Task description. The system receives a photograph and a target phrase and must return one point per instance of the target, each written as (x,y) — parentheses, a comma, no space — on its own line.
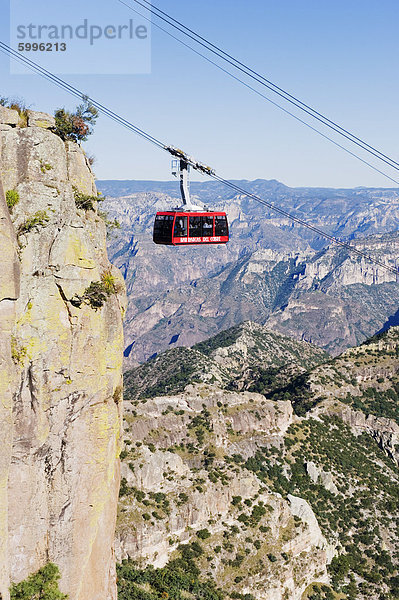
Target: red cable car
(178,228)
(190,224)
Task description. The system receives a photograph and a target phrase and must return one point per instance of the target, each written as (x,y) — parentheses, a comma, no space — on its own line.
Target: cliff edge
(61,366)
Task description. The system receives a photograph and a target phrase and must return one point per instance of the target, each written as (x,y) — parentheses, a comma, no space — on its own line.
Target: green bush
(42,585)
(98,293)
(45,166)
(39,219)
(203,534)
(110,224)
(76,126)
(109,282)
(85,201)
(12,199)
(183,498)
(125,489)
(321,592)
(95,295)
(272,558)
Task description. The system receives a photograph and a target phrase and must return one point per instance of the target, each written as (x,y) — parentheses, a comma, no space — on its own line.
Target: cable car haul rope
(184,159)
(241,67)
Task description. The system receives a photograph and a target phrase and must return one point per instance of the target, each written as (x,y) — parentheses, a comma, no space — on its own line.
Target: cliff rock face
(60,384)
(9,292)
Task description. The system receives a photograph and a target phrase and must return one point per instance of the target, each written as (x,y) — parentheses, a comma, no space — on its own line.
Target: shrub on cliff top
(42,585)
(76,126)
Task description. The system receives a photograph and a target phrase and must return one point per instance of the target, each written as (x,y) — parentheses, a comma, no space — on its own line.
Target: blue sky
(339,56)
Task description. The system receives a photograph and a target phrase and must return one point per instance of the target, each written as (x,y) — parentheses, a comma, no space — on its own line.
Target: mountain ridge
(231,358)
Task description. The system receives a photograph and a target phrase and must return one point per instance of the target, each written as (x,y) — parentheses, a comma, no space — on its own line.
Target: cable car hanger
(189,224)
(125,123)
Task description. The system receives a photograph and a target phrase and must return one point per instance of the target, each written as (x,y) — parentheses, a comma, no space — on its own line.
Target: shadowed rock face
(61,370)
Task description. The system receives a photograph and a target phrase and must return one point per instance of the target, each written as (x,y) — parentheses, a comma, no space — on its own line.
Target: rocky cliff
(60,360)
(235,358)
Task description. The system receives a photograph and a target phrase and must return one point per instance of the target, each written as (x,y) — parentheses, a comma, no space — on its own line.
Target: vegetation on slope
(362,515)
(350,482)
(179,579)
(250,354)
(365,378)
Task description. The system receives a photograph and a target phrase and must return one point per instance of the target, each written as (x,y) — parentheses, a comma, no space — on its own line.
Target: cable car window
(207,226)
(163,227)
(181,226)
(221,225)
(195,226)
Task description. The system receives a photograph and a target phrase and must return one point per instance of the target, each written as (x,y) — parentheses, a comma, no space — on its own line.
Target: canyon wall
(61,366)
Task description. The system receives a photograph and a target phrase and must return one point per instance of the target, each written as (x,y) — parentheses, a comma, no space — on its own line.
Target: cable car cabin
(176,228)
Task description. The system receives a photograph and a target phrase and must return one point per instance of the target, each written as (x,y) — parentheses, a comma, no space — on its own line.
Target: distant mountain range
(271,271)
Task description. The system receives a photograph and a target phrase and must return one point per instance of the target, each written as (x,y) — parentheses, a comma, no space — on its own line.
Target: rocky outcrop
(146,541)
(324,477)
(61,393)
(384,431)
